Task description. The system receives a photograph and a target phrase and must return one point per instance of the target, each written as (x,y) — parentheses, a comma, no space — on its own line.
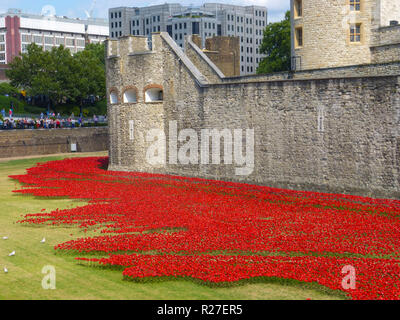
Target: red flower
(222,232)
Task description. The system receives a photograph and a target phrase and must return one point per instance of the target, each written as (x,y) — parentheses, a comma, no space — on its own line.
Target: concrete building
(327,33)
(208,20)
(18,30)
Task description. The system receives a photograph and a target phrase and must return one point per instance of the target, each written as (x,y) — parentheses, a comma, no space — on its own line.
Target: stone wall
(335,134)
(365,70)
(386,53)
(389,10)
(16,143)
(225,53)
(386,46)
(204,64)
(386,35)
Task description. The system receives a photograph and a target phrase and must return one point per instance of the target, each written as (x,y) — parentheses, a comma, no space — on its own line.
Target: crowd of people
(48,121)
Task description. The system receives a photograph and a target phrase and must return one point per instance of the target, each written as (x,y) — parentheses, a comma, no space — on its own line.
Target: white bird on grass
(5,238)
(43,241)
(5,270)
(12,254)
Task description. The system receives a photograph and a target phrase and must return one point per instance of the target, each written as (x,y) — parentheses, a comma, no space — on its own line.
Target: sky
(77,8)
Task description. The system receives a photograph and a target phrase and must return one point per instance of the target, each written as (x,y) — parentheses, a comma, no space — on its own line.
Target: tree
(6,88)
(58,75)
(43,72)
(24,69)
(88,74)
(98,49)
(276,45)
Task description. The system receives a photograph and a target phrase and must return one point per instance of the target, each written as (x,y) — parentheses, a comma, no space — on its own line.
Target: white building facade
(18,30)
(208,20)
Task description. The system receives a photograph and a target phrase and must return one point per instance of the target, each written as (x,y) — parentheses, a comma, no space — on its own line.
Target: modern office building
(18,30)
(208,20)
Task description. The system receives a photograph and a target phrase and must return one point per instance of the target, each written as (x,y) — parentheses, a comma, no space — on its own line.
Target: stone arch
(153,93)
(130,95)
(114,96)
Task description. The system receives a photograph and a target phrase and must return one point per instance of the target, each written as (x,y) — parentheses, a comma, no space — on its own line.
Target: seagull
(43,241)
(5,270)
(12,254)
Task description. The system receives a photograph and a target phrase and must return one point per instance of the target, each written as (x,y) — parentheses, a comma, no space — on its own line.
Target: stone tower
(335,33)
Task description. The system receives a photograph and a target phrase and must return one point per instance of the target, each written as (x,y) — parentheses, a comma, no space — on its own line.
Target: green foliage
(88,76)
(59,75)
(34,109)
(75,110)
(276,45)
(6,88)
(7,102)
(98,49)
(85,112)
(100,108)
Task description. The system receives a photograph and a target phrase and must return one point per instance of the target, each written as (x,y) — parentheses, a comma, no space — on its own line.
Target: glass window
(38,39)
(298,8)
(355,5)
(355,33)
(25,38)
(299,37)
(48,40)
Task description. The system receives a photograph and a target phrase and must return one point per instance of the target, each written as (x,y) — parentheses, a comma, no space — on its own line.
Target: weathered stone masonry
(338,134)
(14,143)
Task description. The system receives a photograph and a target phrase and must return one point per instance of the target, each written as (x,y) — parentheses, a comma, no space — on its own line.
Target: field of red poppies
(156,226)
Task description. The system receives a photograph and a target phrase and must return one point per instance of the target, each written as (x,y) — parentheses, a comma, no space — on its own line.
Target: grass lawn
(77,282)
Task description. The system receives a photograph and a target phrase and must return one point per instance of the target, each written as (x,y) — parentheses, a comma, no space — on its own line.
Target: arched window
(113,97)
(130,96)
(154,94)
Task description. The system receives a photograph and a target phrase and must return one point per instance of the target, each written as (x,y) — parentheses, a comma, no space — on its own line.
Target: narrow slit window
(299,37)
(298,8)
(321,119)
(131,130)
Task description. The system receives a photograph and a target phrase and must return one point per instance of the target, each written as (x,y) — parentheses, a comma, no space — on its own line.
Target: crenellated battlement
(127,45)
